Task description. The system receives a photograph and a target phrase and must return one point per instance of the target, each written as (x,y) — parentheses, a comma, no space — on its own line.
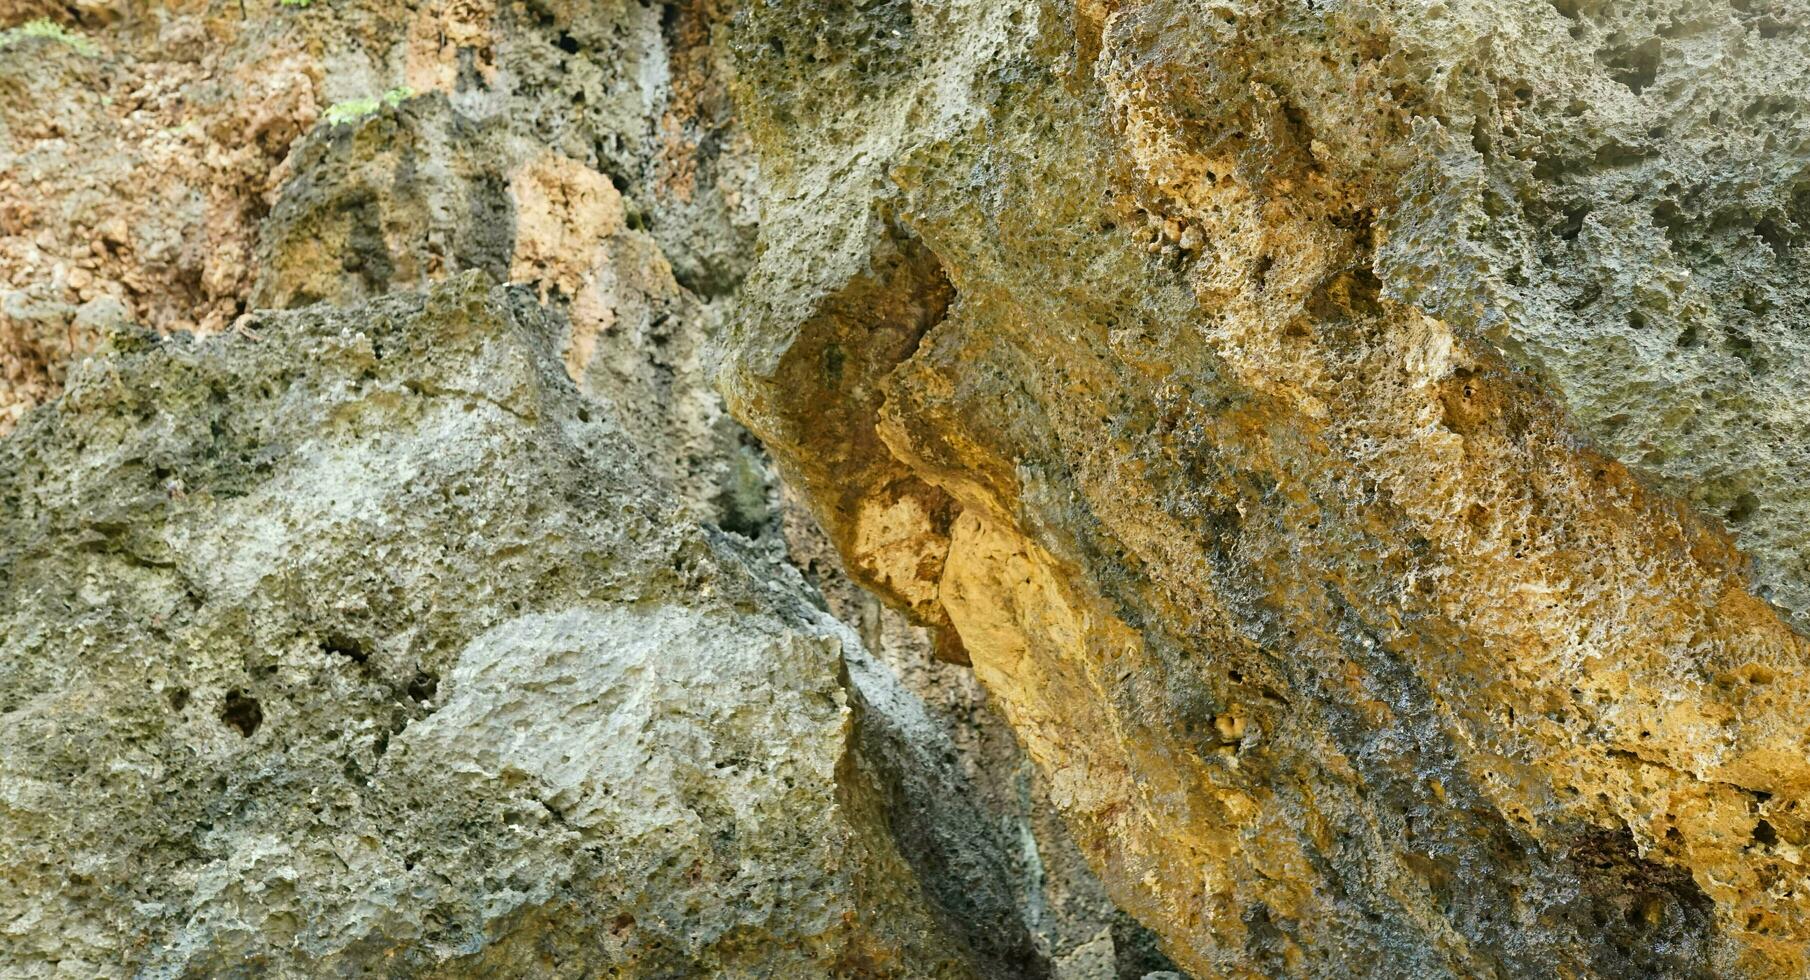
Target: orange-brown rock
(1220,373)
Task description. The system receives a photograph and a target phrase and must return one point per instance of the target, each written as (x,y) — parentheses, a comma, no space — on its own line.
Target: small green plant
(296,3)
(50,30)
(352,110)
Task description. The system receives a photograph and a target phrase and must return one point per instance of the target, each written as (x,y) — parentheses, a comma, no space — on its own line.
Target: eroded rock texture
(367,646)
(1353,443)
(179,166)
(1074,925)
(183,163)
(1356,443)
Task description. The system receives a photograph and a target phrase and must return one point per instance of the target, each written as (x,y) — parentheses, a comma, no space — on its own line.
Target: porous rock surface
(1073,923)
(1353,445)
(1357,443)
(182,166)
(360,644)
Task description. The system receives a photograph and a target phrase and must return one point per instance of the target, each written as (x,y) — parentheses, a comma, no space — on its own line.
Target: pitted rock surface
(360,641)
(1320,425)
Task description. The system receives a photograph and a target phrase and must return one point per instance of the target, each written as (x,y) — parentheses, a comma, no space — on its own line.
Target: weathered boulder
(358,642)
(1316,423)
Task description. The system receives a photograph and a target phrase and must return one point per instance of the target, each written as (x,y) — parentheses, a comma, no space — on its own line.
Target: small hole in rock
(243,713)
(1261,273)
(178,696)
(1774,236)
(341,645)
(424,686)
(1573,223)
(1636,67)
(1764,835)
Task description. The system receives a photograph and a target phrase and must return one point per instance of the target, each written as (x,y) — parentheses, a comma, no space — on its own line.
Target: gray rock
(357,643)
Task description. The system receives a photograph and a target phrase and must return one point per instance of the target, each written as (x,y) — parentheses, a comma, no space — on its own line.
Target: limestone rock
(1072,921)
(357,642)
(1316,424)
(545,170)
(186,160)
(132,171)
(191,169)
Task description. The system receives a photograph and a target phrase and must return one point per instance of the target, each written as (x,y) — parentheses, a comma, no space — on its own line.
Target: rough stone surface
(1340,455)
(406,197)
(188,169)
(135,174)
(366,645)
(1073,923)
(187,166)
(585,149)
(1317,424)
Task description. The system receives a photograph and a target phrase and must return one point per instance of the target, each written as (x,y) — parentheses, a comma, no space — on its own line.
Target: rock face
(1342,457)
(134,166)
(174,166)
(360,219)
(1322,427)
(1075,926)
(366,645)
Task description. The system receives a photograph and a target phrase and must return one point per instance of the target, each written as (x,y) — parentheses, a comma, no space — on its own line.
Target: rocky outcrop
(188,162)
(177,166)
(134,166)
(360,641)
(1340,456)
(361,219)
(1322,427)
